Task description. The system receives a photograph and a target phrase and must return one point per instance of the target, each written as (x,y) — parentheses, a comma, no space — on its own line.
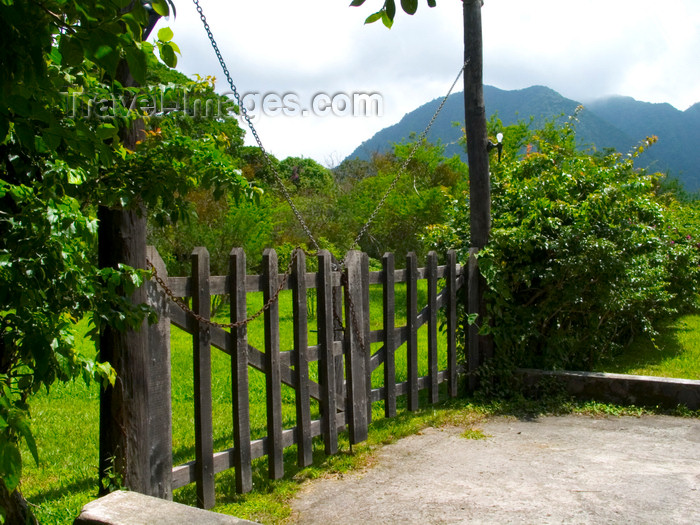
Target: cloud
(584,50)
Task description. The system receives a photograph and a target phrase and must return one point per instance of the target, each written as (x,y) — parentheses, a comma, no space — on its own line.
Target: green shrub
(583,253)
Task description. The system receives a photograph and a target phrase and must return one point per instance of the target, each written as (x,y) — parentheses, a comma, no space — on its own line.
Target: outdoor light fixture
(499,145)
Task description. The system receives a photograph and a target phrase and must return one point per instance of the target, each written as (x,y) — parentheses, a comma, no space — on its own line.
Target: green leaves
(165,34)
(409,6)
(166,48)
(388,12)
(161,7)
(580,257)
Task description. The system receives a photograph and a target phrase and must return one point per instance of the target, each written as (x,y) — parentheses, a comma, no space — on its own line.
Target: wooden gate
(343,353)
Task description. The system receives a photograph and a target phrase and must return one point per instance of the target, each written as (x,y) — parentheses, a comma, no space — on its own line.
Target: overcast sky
(584,49)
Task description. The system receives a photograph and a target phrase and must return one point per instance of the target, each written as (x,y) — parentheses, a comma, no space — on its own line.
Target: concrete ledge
(621,388)
(132,508)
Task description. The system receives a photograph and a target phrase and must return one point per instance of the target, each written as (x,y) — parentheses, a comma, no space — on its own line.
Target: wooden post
(451,312)
(159,386)
(301,364)
(431,264)
(124,440)
(273,376)
(479,183)
(124,418)
(239,373)
(365,328)
(327,362)
(203,424)
(412,328)
(357,372)
(389,306)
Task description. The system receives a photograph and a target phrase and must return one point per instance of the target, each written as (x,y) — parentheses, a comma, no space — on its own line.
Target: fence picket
(301,365)
(451,311)
(239,373)
(433,393)
(365,329)
(327,368)
(159,386)
(357,373)
(204,431)
(412,329)
(389,310)
(275,447)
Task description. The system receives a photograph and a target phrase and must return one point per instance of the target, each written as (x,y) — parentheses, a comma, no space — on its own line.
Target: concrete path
(569,469)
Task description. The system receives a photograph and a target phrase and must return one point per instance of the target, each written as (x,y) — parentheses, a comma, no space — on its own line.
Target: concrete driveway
(568,469)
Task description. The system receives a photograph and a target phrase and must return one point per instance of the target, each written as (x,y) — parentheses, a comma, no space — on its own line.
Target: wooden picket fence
(343,351)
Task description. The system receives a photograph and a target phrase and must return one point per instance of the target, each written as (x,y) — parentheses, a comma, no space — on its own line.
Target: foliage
(62,119)
(418,201)
(388,11)
(584,253)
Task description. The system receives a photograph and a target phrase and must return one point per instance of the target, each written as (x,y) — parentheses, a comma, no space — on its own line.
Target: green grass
(67,422)
(66,419)
(674,352)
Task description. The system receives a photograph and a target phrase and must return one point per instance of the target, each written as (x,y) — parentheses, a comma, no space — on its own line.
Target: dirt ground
(569,469)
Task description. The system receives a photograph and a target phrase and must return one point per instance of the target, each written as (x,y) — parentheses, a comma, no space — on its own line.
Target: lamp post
(498,145)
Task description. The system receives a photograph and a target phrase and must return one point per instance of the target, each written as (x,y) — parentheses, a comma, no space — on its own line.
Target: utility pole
(479,347)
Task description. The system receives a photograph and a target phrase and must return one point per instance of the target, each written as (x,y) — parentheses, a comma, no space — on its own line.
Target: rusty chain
(283,282)
(287,196)
(237,324)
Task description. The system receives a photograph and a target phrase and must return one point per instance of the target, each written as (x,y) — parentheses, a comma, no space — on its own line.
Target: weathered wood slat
(182,286)
(272,364)
(224,460)
(365,327)
(389,332)
(159,385)
(204,431)
(403,388)
(431,271)
(412,329)
(357,372)
(451,314)
(326,356)
(301,365)
(242,460)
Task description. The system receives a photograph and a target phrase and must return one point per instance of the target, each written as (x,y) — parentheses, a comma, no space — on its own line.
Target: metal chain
(183,306)
(288,198)
(408,159)
(244,114)
(266,156)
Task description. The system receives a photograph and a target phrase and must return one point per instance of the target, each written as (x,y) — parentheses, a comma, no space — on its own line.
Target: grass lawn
(675,352)
(66,420)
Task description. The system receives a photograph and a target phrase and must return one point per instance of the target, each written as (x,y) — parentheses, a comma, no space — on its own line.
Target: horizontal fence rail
(343,354)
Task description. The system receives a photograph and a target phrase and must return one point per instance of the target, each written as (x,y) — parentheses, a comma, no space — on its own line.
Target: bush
(583,253)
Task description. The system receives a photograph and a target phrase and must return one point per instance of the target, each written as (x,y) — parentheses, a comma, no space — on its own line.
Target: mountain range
(613,122)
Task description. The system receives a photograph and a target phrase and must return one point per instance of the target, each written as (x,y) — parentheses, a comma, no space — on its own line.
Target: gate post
(357,371)
(159,385)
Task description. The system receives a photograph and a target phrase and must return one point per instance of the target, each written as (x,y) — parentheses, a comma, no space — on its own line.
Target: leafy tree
(61,156)
(420,197)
